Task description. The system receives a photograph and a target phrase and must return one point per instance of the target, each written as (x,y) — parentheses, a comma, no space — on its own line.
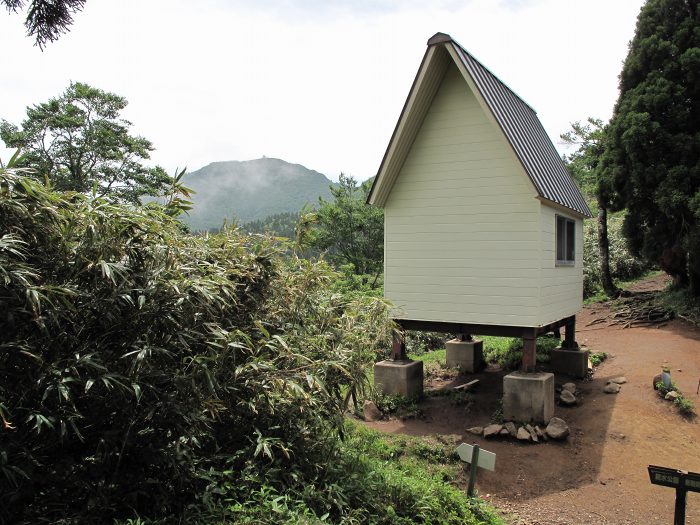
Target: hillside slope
(251,190)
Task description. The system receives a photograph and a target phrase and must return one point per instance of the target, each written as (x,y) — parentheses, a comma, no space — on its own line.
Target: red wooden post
(398,347)
(529,352)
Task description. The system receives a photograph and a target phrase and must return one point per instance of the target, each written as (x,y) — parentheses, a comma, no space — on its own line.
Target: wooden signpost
(476,457)
(680,480)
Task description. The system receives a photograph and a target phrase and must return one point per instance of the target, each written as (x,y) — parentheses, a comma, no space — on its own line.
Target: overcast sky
(320,82)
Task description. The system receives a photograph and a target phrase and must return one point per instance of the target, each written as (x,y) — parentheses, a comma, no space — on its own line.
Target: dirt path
(599,475)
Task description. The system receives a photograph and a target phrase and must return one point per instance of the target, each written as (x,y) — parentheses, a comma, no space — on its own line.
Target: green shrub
(507,352)
(398,405)
(145,371)
(685,405)
(419,343)
(623,266)
(597,358)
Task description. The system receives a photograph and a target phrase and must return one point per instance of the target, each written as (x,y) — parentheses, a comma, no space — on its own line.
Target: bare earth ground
(599,474)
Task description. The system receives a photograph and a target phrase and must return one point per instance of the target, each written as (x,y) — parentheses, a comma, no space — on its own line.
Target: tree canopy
(350,229)
(46,20)
(652,153)
(79,141)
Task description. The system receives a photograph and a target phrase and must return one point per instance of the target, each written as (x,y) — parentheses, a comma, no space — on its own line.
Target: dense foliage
(623,265)
(278,224)
(46,20)
(351,230)
(584,165)
(79,141)
(144,370)
(653,142)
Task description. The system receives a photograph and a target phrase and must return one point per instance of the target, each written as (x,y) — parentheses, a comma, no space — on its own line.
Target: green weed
(597,358)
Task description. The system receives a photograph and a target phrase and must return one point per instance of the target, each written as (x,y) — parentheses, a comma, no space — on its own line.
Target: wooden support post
(570,333)
(472,472)
(529,352)
(398,347)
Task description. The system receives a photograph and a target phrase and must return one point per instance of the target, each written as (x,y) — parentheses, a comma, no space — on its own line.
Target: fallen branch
(641,309)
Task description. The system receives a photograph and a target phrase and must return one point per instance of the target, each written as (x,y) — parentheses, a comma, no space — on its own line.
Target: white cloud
(317,83)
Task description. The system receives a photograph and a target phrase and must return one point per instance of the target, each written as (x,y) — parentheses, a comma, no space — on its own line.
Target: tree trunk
(674,261)
(604,250)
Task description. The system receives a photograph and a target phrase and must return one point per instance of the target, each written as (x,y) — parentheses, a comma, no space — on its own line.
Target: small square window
(566,241)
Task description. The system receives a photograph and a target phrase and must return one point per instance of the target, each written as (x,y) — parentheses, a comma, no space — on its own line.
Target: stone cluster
(567,396)
(555,429)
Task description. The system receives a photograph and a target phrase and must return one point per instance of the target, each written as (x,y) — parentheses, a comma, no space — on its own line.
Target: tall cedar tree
(584,165)
(350,229)
(81,144)
(652,153)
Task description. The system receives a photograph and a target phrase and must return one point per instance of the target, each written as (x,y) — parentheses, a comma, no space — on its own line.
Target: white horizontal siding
(462,240)
(562,286)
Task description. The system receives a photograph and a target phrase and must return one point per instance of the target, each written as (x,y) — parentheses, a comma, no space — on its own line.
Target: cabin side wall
(562,285)
(462,222)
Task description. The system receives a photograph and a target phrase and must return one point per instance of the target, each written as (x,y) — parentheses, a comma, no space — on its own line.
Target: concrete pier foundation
(570,362)
(468,356)
(403,378)
(528,397)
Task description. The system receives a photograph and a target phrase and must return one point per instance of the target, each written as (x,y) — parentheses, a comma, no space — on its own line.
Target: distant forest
(277,224)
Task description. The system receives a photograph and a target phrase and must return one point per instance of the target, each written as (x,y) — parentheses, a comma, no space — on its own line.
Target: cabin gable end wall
(462,222)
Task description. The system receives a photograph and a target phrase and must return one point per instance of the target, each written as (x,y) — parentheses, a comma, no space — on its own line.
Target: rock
(671,396)
(529,428)
(477,431)
(492,430)
(557,428)
(510,426)
(567,398)
(619,380)
(657,379)
(569,387)
(523,434)
(611,388)
(370,411)
(504,432)
(539,431)
(533,435)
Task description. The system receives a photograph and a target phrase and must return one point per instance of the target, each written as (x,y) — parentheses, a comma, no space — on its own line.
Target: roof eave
(567,209)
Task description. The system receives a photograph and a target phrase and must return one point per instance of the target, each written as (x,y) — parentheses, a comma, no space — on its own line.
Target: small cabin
(483,222)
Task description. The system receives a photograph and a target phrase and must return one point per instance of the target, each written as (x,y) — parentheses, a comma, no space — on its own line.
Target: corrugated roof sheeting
(526,135)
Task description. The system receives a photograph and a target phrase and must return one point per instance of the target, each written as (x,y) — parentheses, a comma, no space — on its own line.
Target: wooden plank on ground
(467,386)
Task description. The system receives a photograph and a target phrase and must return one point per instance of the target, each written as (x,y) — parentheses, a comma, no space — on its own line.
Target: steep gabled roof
(517,120)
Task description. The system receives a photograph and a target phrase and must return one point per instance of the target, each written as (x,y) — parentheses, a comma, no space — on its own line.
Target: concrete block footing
(528,397)
(403,378)
(468,356)
(570,362)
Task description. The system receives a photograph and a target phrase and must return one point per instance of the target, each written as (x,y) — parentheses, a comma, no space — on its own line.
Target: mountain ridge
(249,190)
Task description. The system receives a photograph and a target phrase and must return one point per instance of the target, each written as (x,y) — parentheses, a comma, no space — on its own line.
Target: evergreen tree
(350,229)
(46,20)
(652,153)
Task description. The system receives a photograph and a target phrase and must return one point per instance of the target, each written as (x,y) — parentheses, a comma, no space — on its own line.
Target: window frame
(569,247)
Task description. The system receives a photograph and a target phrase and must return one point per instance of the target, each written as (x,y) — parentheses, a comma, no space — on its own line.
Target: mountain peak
(251,190)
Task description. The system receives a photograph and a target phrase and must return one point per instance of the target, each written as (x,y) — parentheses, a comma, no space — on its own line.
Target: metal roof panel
(527,136)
